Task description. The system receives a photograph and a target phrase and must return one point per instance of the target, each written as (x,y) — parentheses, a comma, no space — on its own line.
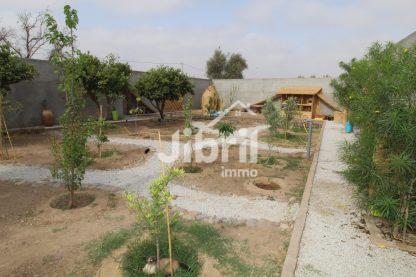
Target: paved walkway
(331,245)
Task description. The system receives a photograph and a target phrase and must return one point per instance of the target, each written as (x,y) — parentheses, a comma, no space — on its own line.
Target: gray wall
(29,95)
(250,91)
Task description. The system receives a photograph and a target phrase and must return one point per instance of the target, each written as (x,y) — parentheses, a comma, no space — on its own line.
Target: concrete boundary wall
(254,90)
(29,96)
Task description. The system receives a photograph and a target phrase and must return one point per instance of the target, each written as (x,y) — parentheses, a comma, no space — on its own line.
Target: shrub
(379,92)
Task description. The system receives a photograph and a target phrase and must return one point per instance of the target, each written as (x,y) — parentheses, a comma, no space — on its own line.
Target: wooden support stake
(8,135)
(167,214)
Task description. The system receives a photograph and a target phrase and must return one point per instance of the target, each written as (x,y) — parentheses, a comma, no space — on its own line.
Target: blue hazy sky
(278,38)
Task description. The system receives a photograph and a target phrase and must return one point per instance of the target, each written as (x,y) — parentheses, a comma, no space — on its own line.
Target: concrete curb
(291,259)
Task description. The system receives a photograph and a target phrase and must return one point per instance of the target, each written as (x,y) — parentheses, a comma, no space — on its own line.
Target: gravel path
(331,245)
(138,178)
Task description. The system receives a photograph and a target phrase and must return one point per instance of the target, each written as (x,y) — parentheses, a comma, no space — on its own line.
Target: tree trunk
(71,199)
(157,254)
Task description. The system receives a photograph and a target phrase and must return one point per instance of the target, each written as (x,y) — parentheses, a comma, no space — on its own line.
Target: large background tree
(221,66)
(379,92)
(29,37)
(13,69)
(161,84)
(114,81)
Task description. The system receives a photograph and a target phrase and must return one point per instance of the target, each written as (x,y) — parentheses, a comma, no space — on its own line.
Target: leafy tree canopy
(13,69)
(221,66)
(89,74)
(114,81)
(162,84)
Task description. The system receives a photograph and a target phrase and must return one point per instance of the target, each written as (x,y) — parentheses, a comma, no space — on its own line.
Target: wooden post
(2,152)
(167,214)
(8,135)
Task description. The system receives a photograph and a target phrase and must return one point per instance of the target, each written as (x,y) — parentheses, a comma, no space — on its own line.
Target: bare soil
(35,149)
(37,240)
(215,179)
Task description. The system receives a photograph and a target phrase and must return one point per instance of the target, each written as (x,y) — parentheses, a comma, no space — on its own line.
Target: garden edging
(292,254)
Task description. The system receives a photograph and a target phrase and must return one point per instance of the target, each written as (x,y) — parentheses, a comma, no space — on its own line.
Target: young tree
(114,83)
(29,37)
(13,69)
(379,93)
(273,114)
(71,153)
(290,110)
(161,84)
(221,66)
(152,211)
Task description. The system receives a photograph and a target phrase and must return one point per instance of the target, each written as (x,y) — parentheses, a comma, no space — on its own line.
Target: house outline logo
(224,113)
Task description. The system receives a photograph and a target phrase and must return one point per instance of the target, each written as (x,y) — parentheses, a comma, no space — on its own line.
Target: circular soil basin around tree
(81,199)
(266,186)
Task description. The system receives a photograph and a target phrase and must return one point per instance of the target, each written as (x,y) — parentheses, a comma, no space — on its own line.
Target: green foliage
(187,113)
(219,66)
(71,155)
(136,257)
(230,258)
(272,112)
(161,84)
(89,75)
(379,90)
(100,248)
(290,110)
(13,69)
(114,83)
(99,127)
(151,211)
(235,66)
(225,129)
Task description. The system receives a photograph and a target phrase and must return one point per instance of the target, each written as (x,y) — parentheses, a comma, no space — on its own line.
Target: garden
(94,197)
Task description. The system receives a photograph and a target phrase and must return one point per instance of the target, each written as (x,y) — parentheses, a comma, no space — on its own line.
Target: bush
(379,91)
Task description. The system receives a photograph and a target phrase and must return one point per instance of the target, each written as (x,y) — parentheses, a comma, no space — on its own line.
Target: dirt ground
(36,240)
(215,179)
(35,149)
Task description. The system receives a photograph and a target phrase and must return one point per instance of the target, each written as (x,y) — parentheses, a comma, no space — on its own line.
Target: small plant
(187,112)
(225,129)
(99,128)
(272,112)
(152,212)
(290,110)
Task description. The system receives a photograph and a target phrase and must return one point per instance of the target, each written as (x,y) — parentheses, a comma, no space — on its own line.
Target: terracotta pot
(47,118)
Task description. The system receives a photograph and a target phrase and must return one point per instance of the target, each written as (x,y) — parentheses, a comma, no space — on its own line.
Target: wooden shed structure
(309,100)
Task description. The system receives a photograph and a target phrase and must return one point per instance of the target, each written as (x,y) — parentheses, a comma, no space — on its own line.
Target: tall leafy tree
(235,66)
(13,69)
(161,84)
(216,65)
(114,83)
(222,66)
